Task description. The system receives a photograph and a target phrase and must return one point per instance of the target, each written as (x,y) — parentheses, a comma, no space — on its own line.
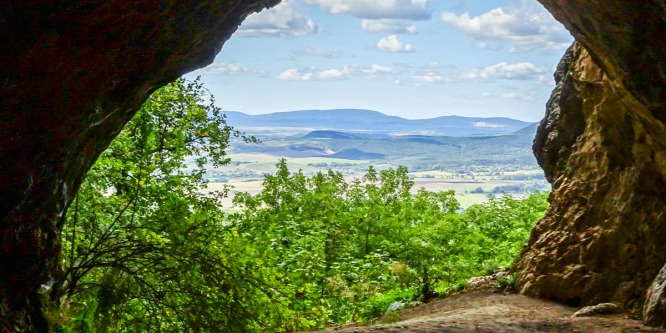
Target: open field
(475,167)
(246,171)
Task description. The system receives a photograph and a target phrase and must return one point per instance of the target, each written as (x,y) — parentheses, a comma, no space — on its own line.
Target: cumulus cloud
(231,69)
(523,95)
(503,70)
(331,74)
(292,74)
(432,73)
(375,71)
(313,75)
(527,28)
(392,44)
(388,27)
(377,9)
(346,72)
(318,52)
(428,77)
(481,45)
(287,19)
(500,71)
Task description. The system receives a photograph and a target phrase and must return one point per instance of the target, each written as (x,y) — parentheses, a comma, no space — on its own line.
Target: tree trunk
(427,295)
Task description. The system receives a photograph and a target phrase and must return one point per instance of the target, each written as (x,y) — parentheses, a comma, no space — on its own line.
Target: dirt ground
(487,310)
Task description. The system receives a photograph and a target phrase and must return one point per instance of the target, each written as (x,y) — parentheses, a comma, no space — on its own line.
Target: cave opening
(606,219)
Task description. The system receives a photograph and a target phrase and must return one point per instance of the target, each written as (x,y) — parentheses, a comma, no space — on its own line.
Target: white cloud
(392,44)
(314,75)
(231,69)
(527,28)
(319,52)
(284,20)
(388,27)
(487,124)
(377,9)
(523,95)
(290,75)
(346,72)
(331,74)
(377,70)
(428,77)
(500,71)
(481,45)
(503,70)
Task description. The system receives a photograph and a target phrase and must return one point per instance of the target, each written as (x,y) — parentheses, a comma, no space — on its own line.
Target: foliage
(507,283)
(344,249)
(144,249)
(377,305)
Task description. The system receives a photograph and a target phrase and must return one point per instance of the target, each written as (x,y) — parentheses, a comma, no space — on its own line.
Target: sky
(410,58)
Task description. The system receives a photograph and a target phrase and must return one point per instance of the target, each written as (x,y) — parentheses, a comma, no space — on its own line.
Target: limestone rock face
(655,303)
(626,40)
(599,309)
(603,148)
(604,151)
(72,73)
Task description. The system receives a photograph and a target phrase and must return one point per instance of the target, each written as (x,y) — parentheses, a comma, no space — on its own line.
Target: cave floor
(487,310)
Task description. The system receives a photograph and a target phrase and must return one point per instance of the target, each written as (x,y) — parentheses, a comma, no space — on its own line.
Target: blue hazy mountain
(323,134)
(355,120)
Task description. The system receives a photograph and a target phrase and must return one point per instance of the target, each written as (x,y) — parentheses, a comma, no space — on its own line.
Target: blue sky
(409,58)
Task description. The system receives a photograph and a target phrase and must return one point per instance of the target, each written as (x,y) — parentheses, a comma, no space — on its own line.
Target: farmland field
(246,172)
(476,166)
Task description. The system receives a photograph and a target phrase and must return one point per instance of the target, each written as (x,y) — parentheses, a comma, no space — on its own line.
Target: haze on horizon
(416,59)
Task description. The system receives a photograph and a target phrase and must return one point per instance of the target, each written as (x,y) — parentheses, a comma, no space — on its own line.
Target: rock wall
(655,303)
(605,154)
(71,75)
(602,145)
(626,40)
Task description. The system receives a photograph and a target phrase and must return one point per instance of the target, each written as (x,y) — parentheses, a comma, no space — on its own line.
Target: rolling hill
(360,121)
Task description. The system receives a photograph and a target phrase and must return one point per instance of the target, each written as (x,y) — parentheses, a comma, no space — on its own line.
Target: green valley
(496,160)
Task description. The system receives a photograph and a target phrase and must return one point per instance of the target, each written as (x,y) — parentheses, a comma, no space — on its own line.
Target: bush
(378,305)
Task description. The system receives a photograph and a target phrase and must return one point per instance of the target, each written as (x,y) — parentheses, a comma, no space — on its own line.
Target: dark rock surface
(626,40)
(602,239)
(71,75)
(599,309)
(655,303)
(603,147)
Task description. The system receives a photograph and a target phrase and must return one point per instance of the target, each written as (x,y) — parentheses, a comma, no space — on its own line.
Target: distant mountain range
(359,121)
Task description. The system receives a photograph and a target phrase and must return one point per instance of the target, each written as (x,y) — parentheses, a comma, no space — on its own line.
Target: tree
(146,250)
(143,248)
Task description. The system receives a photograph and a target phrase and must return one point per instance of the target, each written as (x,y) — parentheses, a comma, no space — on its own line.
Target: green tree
(143,248)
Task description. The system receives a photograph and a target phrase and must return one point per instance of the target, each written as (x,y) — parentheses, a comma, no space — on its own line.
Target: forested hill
(367,120)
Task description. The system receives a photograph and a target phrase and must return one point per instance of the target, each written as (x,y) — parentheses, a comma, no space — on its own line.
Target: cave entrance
(55,127)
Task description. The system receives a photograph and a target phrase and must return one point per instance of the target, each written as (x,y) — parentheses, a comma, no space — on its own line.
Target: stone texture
(655,303)
(71,75)
(625,39)
(604,152)
(599,309)
(603,148)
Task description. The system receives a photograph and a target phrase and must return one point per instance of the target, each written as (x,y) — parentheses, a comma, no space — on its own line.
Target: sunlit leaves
(145,250)
(334,243)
